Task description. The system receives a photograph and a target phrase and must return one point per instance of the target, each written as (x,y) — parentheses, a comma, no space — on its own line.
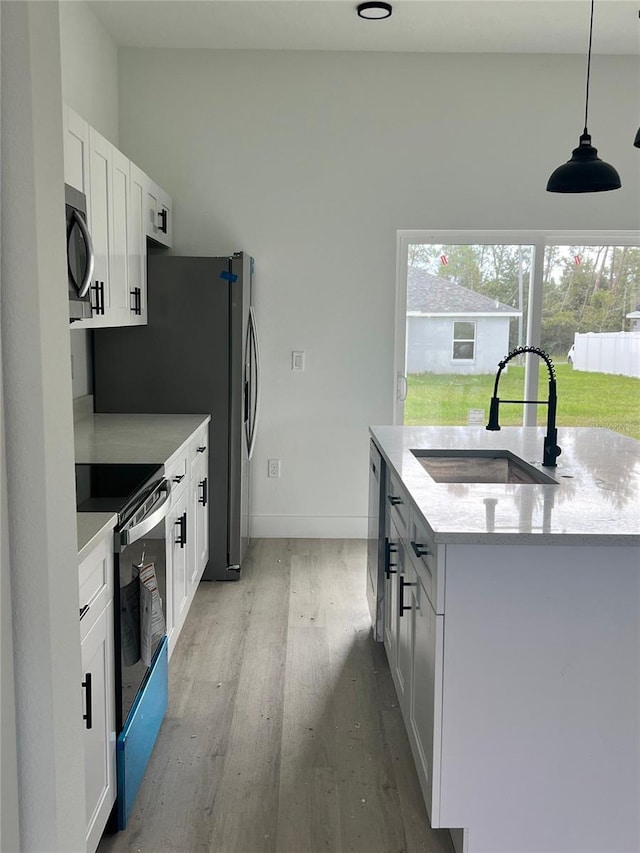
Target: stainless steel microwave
(80,256)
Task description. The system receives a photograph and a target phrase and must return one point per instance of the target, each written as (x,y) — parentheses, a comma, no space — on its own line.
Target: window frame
(455,340)
(539,240)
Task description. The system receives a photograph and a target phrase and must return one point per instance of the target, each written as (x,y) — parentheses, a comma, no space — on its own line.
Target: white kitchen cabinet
(404,666)
(158,218)
(395,559)
(199,517)
(137,247)
(76,150)
(178,549)
(97,683)
(425,705)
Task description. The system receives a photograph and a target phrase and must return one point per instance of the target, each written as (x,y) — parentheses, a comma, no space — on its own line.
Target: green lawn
(584,399)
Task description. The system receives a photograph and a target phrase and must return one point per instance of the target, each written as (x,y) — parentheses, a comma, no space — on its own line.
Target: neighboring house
(634,319)
(451,329)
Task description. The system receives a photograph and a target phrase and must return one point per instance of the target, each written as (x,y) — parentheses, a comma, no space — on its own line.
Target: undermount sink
(479,466)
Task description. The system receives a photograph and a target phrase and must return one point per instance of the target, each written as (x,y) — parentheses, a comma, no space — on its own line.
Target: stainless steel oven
(140,495)
(80,255)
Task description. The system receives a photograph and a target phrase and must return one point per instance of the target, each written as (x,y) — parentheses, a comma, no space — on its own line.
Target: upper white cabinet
(158,214)
(76,151)
(124,208)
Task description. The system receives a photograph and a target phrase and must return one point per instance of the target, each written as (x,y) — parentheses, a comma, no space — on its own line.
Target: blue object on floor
(135,742)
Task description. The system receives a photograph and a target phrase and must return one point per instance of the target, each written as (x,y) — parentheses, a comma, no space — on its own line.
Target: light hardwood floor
(283,733)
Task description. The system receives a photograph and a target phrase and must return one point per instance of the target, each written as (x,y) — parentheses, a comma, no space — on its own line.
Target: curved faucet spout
(551,449)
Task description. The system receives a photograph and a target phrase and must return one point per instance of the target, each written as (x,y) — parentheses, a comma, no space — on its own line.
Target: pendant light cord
(586,101)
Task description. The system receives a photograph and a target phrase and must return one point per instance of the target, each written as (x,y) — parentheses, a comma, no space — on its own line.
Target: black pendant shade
(585,172)
(636,141)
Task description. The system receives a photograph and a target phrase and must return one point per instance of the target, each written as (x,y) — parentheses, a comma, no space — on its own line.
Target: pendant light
(585,172)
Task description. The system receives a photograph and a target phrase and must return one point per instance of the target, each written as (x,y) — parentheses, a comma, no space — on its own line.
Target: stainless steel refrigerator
(197,354)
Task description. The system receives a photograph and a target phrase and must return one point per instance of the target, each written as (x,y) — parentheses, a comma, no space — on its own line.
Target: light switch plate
(297,360)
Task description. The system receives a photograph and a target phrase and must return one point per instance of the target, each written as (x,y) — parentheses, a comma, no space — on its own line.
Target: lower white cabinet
(178,547)
(424,722)
(97,684)
(199,515)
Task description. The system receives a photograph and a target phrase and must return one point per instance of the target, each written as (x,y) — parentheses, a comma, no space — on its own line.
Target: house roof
(430,294)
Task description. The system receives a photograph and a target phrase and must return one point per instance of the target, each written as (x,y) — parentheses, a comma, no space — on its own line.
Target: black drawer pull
(401,605)
(162,216)
(390,548)
(419,549)
(200,449)
(178,478)
(181,522)
(83,611)
(137,300)
(88,717)
(204,486)
(393,500)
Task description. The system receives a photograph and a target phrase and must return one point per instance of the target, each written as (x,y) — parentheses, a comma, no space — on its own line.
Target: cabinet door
(406,583)
(76,151)
(395,567)
(100,223)
(427,631)
(117,312)
(99,720)
(158,225)
(178,546)
(200,521)
(137,247)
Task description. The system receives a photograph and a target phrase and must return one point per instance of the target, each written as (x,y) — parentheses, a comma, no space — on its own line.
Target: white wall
(39,437)
(311,161)
(89,59)
(89,68)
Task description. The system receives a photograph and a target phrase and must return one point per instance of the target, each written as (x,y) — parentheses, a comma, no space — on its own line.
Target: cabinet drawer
(95,579)
(397,503)
(175,470)
(199,444)
(427,559)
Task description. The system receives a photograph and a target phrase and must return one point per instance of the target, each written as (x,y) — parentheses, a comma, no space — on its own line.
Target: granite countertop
(596,501)
(132,437)
(92,527)
(125,438)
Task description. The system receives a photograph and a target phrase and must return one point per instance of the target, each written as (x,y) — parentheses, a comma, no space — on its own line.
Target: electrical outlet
(274,468)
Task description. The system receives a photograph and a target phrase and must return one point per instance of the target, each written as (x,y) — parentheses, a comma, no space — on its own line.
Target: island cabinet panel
(395,561)
(427,557)
(425,707)
(541,697)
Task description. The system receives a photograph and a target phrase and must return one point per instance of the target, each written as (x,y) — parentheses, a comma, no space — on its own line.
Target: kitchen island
(512,627)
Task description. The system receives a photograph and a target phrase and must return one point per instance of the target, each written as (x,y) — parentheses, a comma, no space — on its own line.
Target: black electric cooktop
(111,487)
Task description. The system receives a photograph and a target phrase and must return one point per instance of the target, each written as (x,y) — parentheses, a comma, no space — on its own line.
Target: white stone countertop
(92,527)
(596,501)
(133,437)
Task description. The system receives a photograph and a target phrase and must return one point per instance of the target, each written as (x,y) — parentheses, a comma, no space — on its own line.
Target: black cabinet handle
(137,300)
(88,717)
(401,605)
(181,540)
(419,549)
(393,500)
(390,548)
(162,216)
(204,486)
(83,611)
(98,287)
(178,478)
(200,449)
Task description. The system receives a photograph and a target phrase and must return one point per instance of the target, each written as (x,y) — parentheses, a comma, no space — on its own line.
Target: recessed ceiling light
(375,10)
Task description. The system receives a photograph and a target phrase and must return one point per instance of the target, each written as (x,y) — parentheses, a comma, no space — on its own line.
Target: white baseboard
(308,527)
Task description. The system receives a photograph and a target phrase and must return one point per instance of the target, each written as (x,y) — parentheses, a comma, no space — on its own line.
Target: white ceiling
(441,26)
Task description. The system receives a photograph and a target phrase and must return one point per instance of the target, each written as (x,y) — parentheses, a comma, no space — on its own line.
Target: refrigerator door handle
(253,338)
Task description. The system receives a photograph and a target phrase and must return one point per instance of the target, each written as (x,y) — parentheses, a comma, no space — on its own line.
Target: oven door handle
(160,511)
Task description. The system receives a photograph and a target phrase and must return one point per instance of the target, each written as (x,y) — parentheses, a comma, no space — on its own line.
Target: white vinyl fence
(608,352)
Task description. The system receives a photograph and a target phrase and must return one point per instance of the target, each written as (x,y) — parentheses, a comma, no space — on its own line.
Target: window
(466,299)
(464,341)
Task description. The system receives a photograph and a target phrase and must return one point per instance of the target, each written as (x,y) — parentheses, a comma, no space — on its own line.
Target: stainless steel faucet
(551,449)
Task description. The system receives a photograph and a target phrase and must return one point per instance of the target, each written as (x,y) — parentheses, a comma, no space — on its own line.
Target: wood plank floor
(283,733)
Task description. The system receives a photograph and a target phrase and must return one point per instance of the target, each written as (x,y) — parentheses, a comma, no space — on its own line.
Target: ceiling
(440,26)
